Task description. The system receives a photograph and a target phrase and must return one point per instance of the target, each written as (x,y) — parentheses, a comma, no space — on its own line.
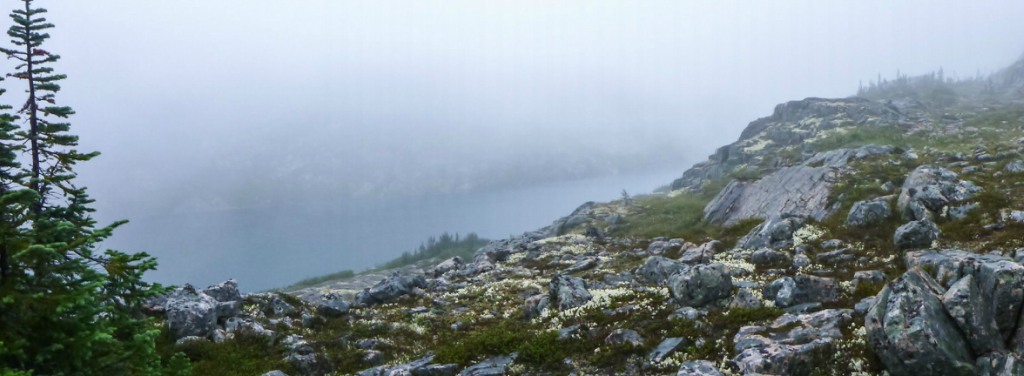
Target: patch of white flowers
(567,238)
(672,362)
(601,298)
(515,258)
(806,234)
(735,261)
(575,249)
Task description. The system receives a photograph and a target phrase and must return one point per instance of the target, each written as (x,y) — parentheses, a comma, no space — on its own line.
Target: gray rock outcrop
(789,126)
(657,269)
(869,212)
(802,289)
(446,266)
(973,315)
(916,234)
(390,289)
(226,291)
(698,368)
(332,305)
(419,367)
(703,254)
(568,292)
(928,191)
(776,232)
(911,332)
(496,366)
(801,190)
(999,279)
(624,337)
(700,285)
(789,344)
(190,313)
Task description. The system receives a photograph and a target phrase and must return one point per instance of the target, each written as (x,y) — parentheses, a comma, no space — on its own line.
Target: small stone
(699,368)
(916,234)
(624,337)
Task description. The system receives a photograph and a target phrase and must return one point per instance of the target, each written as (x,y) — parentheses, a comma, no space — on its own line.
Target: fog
(257,107)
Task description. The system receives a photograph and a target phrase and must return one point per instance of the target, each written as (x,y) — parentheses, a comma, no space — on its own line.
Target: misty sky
(228,103)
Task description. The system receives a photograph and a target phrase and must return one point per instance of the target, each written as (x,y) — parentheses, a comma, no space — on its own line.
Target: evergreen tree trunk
(33,120)
(5,267)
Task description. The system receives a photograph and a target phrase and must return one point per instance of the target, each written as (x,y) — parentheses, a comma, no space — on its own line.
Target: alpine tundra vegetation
(880,233)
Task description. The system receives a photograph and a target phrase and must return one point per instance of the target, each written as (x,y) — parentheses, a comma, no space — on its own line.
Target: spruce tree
(50,144)
(64,308)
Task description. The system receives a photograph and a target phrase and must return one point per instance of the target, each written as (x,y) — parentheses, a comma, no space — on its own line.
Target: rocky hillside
(882,233)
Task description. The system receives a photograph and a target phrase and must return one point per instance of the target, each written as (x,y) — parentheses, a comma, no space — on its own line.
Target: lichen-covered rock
(1001,364)
(973,313)
(657,269)
(916,234)
(664,349)
(776,232)
(499,250)
(839,256)
(476,268)
(658,247)
(790,344)
(868,276)
(226,291)
(391,288)
(869,212)
(910,331)
(698,368)
(419,367)
(624,337)
(960,212)
(999,279)
(332,305)
(536,304)
(802,289)
(801,190)
(496,366)
(746,297)
(446,266)
(700,285)
(782,291)
(703,254)
(248,326)
(569,292)
(790,125)
(767,257)
(1015,166)
(584,263)
(190,313)
(928,190)
(301,355)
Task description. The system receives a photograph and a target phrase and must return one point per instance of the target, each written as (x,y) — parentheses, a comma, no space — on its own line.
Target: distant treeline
(442,247)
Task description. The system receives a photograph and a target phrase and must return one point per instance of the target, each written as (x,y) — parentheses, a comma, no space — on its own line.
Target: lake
(272,247)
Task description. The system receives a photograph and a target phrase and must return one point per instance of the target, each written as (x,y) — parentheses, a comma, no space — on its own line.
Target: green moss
(665,216)
(246,355)
(546,351)
(537,349)
(681,216)
(860,136)
(500,338)
(720,327)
